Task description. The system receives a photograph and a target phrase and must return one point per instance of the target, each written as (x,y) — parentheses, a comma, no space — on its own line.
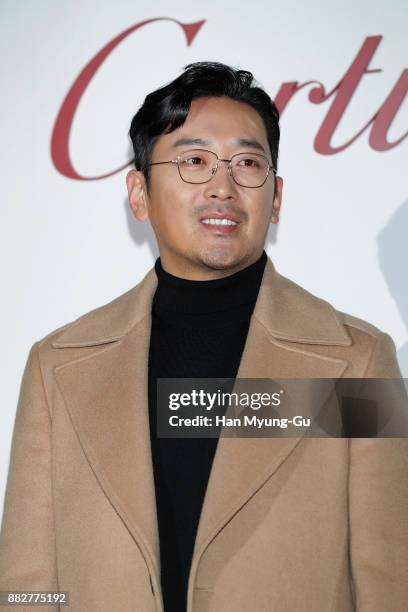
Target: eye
(249,162)
(193,160)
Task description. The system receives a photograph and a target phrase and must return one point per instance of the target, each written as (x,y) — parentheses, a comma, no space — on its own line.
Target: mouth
(220,224)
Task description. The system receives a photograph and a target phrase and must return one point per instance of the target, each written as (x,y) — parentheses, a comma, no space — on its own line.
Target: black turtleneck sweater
(198,330)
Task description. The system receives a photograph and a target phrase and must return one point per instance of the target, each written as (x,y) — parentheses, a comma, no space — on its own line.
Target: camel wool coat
(287,525)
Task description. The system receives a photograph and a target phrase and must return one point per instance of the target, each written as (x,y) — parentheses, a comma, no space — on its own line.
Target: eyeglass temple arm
(174,161)
(171,161)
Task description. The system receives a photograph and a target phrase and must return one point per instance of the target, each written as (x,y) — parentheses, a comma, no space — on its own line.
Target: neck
(175,294)
(184,270)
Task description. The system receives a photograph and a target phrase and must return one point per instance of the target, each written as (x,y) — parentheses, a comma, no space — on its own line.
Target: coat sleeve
(27,537)
(378,506)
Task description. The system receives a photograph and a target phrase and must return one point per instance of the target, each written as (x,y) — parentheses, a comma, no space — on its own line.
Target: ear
(277,200)
(137,192)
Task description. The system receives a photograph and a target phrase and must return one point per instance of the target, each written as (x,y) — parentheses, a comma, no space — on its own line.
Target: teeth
(218,222)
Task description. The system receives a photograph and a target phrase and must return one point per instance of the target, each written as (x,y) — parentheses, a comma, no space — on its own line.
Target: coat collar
(286,310)
(105,393)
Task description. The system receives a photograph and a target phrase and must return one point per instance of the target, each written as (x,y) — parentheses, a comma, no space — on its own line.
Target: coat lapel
(106,396)
(258,458)
(284,313)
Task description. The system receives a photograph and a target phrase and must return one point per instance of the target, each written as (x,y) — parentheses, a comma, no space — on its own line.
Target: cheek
(171,209)
(259,213)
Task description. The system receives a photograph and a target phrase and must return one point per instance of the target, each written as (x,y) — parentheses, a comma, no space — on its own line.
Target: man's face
(188,247)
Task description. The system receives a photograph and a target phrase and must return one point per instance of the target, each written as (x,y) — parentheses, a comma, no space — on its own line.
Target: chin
(221,259)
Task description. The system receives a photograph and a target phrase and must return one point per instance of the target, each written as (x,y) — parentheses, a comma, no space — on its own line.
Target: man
(99,505)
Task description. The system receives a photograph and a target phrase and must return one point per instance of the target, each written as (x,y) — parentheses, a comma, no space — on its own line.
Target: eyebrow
(244,142)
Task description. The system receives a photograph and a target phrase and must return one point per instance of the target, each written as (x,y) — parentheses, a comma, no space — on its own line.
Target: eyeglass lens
(248,169)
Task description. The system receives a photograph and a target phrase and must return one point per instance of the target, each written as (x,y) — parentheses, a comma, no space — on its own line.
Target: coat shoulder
(86,318)
(364,335)
(105,323)
(355,325)
(372,348)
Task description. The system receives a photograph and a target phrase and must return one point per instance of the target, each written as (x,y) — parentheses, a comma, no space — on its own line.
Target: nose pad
(214,170)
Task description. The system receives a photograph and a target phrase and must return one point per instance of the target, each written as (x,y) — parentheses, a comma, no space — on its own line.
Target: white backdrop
(71,245)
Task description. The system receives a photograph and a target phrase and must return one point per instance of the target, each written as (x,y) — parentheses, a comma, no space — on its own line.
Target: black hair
(167,108)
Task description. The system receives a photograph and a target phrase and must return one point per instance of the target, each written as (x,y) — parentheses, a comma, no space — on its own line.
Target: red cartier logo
(341,93)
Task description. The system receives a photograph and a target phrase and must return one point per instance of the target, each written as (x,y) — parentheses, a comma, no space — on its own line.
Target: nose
(221,185)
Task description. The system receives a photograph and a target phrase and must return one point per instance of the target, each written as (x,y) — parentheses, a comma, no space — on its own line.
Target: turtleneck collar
(183,296)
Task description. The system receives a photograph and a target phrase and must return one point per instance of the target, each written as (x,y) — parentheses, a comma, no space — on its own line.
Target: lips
(219,225)
(220,216)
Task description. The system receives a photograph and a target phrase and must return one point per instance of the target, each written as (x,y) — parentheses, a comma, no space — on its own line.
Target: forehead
(221,122)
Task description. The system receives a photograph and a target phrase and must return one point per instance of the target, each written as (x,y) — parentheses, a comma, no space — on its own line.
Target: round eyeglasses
(200,165)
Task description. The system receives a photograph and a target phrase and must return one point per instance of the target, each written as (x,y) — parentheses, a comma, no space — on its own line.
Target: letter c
(63,123)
